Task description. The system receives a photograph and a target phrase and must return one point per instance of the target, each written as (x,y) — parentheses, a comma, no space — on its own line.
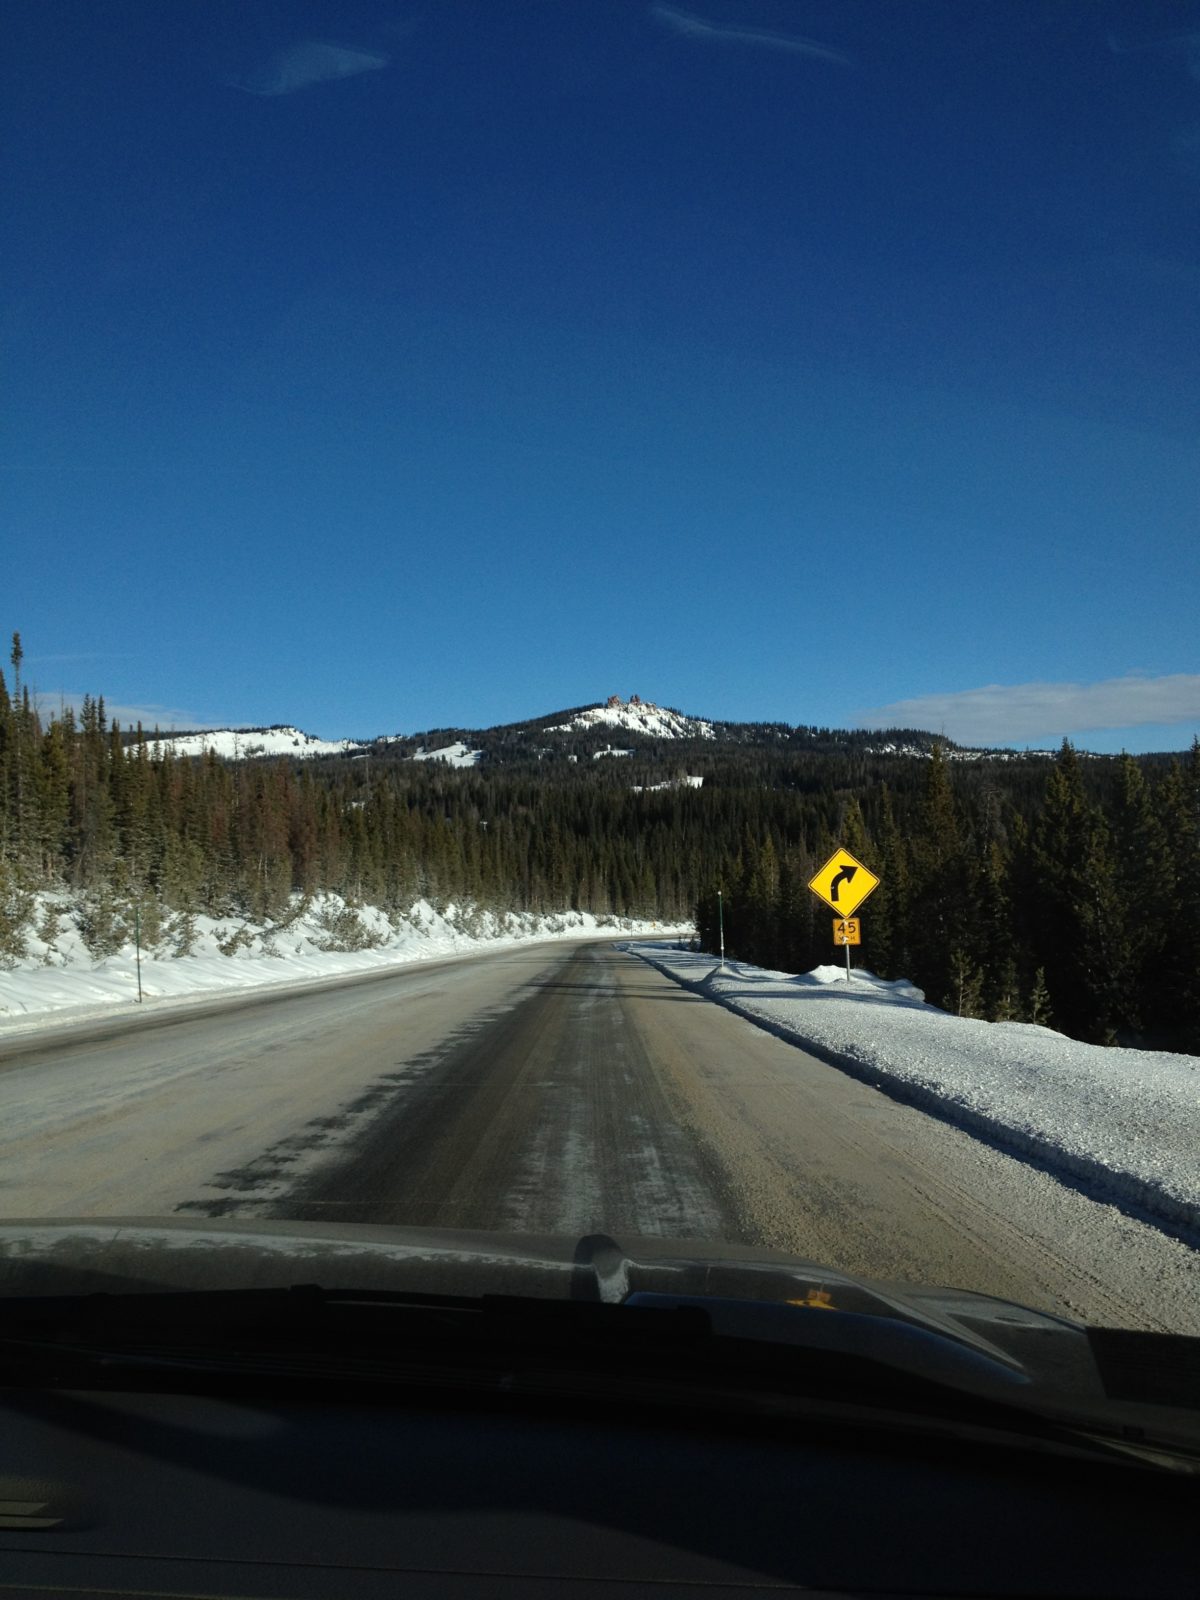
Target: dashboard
(163,1494)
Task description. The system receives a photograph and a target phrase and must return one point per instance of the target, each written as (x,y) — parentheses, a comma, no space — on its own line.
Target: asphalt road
(552,1089)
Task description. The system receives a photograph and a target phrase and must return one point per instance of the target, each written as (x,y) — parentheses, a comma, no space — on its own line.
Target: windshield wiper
(344,1328)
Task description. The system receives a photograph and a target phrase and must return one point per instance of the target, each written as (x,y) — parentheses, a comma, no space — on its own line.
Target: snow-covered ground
(242,744)
(58,979)
(456,755)
(1126,1122)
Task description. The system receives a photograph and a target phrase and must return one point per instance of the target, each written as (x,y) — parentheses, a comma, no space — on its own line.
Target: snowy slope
(638,716)
(1127,1122)
(670,783)
(455,755)
(238,744)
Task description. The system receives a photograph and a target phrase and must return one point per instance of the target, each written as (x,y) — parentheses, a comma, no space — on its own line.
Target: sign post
(847,931)
(721,925)
(844,883)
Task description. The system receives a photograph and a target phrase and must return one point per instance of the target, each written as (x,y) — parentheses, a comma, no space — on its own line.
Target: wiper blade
(310,1321)
(754,1345)
(307,1308)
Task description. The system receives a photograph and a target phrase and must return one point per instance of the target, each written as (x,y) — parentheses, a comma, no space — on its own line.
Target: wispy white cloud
(693,27)
(298,66)
(1000,714)
(150,716)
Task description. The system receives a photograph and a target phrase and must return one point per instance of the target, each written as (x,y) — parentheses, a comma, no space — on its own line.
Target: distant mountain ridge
(583,730)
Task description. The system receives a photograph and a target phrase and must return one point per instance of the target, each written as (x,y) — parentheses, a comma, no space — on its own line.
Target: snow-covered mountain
(243,744)
(638,716)
(638,725)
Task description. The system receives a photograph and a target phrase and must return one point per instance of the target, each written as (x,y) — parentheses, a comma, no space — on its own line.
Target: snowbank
(1127,1122)
(57,977)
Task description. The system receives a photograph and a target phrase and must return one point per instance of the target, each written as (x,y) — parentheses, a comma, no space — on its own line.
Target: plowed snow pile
(56,979)
(1125,1121)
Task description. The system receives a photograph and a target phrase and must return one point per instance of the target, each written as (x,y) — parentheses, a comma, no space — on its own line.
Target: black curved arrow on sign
(844,876)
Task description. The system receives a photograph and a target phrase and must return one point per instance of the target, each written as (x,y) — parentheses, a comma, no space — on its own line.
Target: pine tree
(53,800)
(965,997)
(1085,948)
(1177,988)
(8,734)
(1006,994)
(759,927)
(994,932)
(16,909)
(939,898)
(886,917)
(1144,875)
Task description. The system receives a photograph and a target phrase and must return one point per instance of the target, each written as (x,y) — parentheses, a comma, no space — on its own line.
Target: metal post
(847,961)
(137,944)
(721,923)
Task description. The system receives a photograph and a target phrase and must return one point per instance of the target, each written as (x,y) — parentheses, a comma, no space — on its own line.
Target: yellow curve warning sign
(843,882)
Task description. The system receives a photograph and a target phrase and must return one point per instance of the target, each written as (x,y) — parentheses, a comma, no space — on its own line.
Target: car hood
(136,1255)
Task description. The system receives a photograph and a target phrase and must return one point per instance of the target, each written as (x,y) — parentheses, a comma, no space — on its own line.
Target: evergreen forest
(1062,890)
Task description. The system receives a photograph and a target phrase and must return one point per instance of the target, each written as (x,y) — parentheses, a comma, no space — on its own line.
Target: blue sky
(378,367)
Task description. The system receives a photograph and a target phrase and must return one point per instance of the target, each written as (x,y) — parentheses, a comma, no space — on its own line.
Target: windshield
(600,632)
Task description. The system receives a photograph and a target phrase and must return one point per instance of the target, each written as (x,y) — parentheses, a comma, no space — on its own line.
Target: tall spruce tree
(1084,945)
